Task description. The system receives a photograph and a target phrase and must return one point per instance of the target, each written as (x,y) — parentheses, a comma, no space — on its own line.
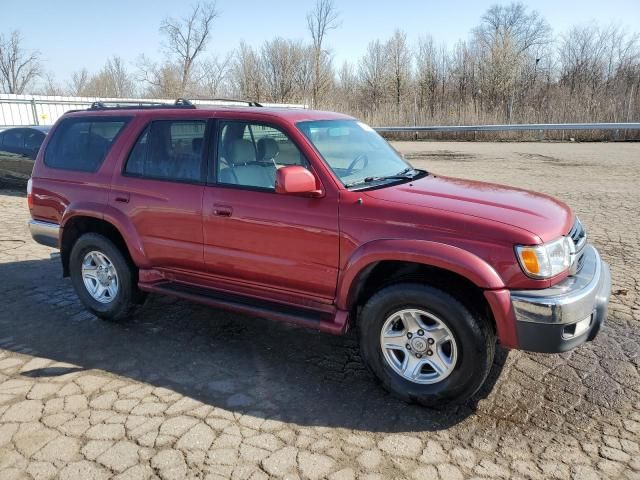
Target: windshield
(355,152)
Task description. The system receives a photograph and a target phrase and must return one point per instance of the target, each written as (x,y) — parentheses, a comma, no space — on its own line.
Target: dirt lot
(182,391)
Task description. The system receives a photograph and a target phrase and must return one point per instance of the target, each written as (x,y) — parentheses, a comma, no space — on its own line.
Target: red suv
(312,218)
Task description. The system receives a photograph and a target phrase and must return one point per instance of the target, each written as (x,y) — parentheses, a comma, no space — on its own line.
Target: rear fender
(115,217)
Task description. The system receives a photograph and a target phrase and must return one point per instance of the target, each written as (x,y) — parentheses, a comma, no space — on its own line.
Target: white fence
(17,110)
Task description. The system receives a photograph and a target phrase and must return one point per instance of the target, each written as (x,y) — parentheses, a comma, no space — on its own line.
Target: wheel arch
(385,262)
(76,225)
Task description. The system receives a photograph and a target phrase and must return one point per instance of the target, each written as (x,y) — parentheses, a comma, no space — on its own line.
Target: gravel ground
(183,391)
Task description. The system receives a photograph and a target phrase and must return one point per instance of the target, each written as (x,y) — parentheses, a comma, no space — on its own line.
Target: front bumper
(566,315)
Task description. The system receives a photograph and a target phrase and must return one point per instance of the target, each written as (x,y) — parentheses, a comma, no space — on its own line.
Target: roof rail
(250,103)
(116,105)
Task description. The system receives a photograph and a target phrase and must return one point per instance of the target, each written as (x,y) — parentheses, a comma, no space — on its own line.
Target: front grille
(577,234)
(579,237)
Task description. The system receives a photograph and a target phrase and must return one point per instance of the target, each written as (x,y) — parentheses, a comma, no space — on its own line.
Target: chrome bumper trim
(574,299)
(45,233)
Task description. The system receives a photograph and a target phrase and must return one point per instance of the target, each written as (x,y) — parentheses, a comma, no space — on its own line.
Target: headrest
(267,149)
(242,151)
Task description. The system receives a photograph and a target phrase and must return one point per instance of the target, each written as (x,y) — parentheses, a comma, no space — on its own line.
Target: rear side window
(169,150)
(33,140)
(13,139)
(82,143)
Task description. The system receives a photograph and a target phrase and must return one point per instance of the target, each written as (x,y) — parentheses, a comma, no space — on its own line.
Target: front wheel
(103,279)
(424,345)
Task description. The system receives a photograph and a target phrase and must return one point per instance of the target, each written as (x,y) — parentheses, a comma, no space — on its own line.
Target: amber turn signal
(530,261)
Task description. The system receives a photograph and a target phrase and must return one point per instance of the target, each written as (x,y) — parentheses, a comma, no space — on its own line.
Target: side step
(326,322)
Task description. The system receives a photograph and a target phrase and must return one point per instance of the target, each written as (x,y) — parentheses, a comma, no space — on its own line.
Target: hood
(537,213)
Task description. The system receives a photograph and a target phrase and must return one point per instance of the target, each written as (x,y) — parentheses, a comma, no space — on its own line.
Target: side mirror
(296,180)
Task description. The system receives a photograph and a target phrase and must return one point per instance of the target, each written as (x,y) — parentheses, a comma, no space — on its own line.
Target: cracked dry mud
(183,391)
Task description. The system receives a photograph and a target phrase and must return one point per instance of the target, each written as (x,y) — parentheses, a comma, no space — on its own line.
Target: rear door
(160,190)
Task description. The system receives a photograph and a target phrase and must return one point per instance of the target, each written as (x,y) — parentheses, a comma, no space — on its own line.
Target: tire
(469,357)
(113,308)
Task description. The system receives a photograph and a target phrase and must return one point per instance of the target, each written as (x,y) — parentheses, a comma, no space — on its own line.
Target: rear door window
(169,150)
(82,143)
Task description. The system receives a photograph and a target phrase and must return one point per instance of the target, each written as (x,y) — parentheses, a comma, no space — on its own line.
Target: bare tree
(347,87)
(373,73)
(400,66)
(598,63)
(304,74)
(323,18)
(247,72)
(507,37)
(118,77)
(78,83)
(281,59)
(214,73)
(427,73)
(187,37)
(161,79)
(514,25)
(463,76)
(113,80)
(18,68)
(50,86)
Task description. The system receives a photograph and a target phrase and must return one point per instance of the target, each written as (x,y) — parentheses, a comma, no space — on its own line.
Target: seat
(189,163)
(244,169)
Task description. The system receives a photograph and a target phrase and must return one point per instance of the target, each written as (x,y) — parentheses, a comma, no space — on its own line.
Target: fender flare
(435,254)
(113,216)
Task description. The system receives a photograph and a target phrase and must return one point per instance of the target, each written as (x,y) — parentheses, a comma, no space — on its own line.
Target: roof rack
(250,103)
(116,105)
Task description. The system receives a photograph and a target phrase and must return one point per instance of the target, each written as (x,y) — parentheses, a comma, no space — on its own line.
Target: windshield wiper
(403,175)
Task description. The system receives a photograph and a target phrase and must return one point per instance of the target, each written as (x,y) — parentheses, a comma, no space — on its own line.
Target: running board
(326,322)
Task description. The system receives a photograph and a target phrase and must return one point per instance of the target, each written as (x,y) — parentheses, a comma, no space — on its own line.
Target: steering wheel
(360,157)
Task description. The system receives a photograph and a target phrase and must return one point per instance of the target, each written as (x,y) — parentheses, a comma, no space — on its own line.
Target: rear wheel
(424,345)
(103,279)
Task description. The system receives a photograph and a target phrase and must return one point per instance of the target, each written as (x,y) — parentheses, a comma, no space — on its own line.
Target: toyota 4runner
(312,218)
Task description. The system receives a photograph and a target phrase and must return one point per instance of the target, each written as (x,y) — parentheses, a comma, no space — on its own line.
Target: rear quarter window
(82,143)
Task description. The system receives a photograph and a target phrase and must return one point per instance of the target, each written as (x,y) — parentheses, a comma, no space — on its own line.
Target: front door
(160,190)
(260,239)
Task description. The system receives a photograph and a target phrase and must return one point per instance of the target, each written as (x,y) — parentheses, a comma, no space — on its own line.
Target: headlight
(546,260)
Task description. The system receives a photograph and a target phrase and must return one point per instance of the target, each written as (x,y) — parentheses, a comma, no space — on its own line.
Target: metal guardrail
(514,127)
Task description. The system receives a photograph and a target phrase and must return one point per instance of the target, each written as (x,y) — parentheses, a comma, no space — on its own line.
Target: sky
(71,34)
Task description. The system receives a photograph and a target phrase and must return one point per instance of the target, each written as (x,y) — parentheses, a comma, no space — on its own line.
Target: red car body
(315,251)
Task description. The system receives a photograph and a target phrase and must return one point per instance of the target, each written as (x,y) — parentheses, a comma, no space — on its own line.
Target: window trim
(204,154)
(96,119)
(212,174)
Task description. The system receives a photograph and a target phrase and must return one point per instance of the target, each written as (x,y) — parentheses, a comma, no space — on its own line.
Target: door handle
(122,197)
(222,210)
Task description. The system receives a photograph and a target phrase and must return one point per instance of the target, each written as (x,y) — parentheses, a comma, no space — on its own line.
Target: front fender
(435,254)
(115,217)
